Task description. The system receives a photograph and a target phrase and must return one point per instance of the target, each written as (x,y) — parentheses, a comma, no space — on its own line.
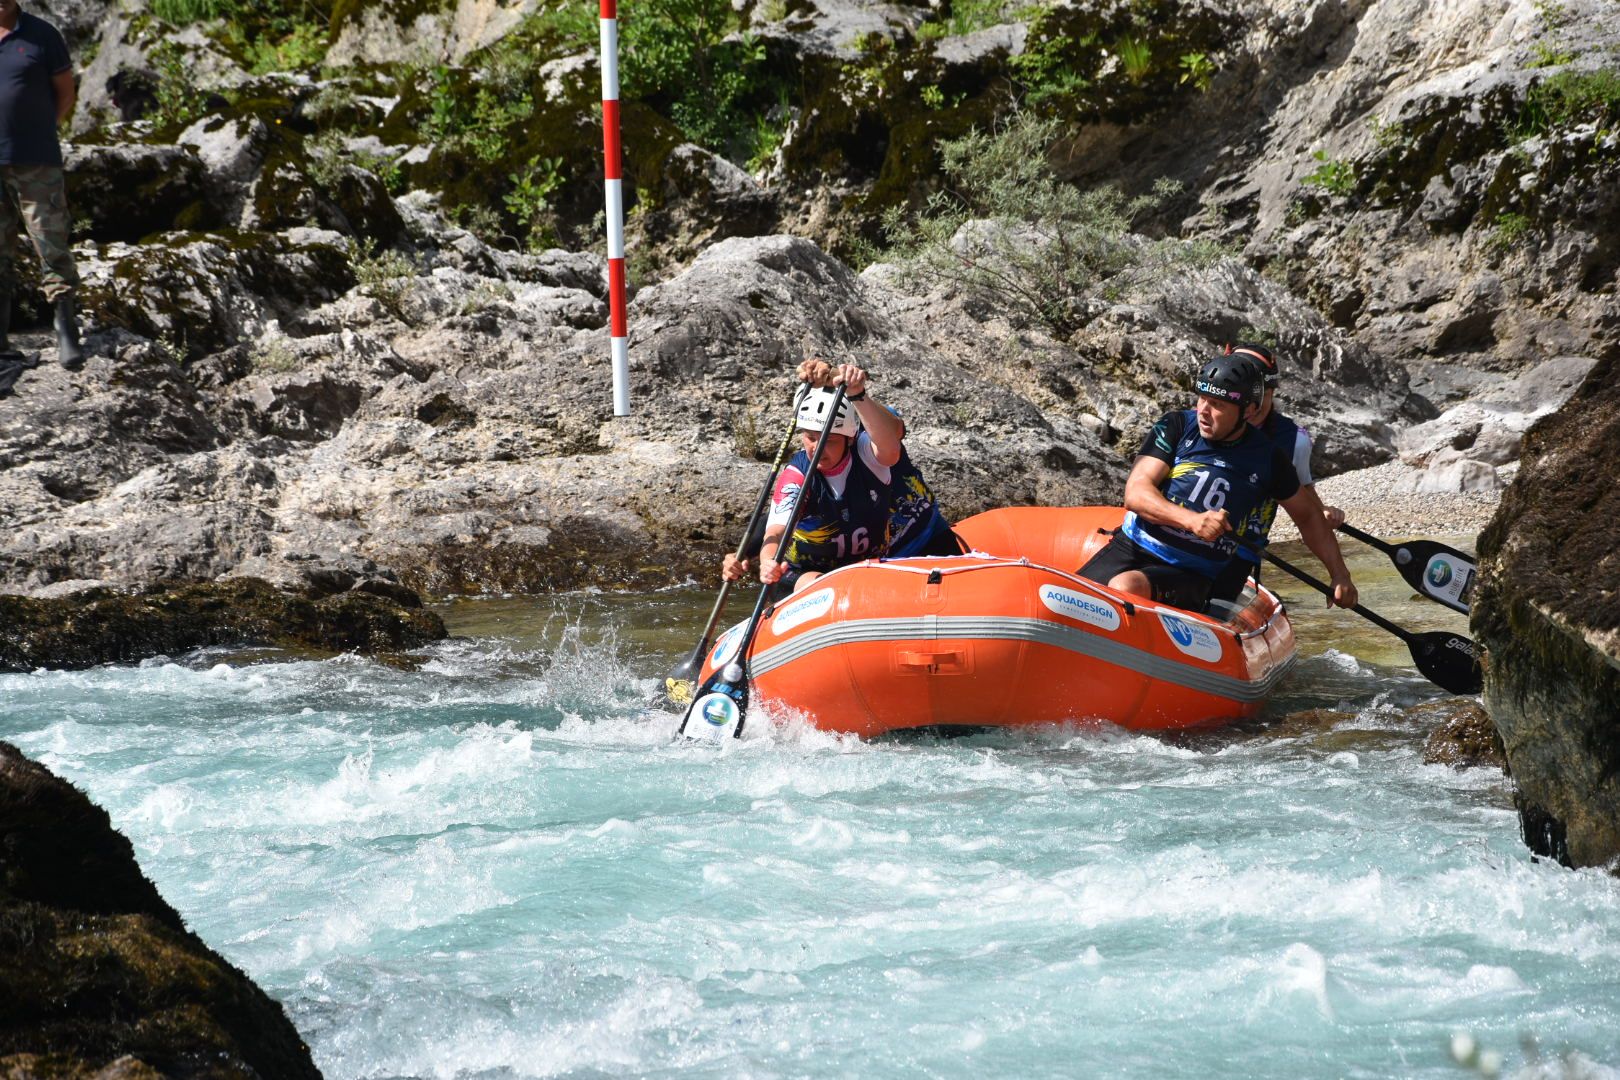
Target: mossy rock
(99,970)
(568,131)
(1547,610)
(103,626)
(1462,736)
(187,287)
(402,12)
(130,191)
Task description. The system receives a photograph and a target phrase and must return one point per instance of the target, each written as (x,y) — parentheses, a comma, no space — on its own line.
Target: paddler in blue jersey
(1201,475)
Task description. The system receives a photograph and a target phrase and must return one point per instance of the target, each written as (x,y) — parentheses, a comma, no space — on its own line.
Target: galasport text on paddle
(1450,661)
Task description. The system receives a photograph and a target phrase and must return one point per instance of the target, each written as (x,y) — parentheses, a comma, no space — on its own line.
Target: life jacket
(916,519)
(1254,533)
(836,531)
(1204,476)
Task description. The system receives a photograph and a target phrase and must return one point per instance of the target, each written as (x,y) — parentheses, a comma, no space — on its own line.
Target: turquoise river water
(499,865)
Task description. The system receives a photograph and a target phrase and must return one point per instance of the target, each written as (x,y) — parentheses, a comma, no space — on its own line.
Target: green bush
(1039,248)
(298,48)
(386,276)
(478,123)
(1331,175)
(180,99)
(691,59)
(965,16)
(529,200)
(1198,69)
(1043,70)
(1508,229)
(1569,98)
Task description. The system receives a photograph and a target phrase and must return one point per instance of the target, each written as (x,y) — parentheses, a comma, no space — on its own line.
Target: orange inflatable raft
(1008,636)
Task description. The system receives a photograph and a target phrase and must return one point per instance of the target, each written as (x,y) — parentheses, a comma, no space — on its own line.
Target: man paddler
(1201,479)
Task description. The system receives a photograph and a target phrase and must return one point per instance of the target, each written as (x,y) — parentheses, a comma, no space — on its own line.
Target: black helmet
(1235,378)
(1262,356)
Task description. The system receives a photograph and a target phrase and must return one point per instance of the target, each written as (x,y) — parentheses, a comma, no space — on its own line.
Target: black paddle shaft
(678,683)
(1450,661)
(737,688)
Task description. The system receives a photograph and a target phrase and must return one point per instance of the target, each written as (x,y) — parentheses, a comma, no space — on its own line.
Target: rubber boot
(69,353)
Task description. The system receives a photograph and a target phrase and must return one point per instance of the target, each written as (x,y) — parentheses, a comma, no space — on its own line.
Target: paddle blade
(1450,661)
(717,712)
(680,685)
(1441,573)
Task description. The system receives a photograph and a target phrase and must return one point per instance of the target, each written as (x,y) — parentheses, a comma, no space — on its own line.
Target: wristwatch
(856,397)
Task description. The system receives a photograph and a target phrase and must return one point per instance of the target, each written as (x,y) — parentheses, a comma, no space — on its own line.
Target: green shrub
(1198,69)
(1508,229)
(1568,98)
(529,201)
(273,355)
(477,123)
(1040,248)
(184,12)
(385,276)
(1392,135)
(965,16)
(1043,69)
(1331,175)
(1547,56)
(180,99)
(298,48)
(328,159)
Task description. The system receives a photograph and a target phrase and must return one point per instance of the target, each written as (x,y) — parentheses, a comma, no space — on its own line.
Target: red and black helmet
(1260,355)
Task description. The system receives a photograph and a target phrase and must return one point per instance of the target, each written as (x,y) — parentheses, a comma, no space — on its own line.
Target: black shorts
(944,542)
(1171,584)
(1228,585)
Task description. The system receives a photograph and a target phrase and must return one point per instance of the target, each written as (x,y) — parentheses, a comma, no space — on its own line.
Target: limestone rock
(1547,608)
(101,975)
(203,293)
(128,191)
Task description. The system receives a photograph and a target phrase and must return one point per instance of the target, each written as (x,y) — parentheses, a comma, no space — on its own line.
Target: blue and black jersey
(1241,476)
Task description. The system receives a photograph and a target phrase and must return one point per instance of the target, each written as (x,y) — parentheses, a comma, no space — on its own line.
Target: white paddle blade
(713,718)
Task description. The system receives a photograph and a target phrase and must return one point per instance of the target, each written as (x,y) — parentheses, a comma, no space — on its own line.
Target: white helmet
(813,409)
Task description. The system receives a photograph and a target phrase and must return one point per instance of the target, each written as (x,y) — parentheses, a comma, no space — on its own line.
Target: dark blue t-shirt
(29,56)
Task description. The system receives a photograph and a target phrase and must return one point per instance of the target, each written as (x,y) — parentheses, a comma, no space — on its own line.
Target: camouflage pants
(41,193)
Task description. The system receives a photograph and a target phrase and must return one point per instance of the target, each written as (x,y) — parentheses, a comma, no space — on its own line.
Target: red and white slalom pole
(614,185)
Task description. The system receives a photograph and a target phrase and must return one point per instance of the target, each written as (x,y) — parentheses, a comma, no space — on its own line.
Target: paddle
(1441,573)
(722,701)
(678,684)
(1450,661)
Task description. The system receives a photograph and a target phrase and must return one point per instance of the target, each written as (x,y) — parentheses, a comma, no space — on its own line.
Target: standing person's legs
(8,252)
(42,196)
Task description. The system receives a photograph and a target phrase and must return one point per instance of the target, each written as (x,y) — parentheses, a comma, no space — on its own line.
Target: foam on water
(500,865)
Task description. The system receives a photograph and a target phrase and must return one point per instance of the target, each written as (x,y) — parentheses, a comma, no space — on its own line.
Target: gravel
(1370,502)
